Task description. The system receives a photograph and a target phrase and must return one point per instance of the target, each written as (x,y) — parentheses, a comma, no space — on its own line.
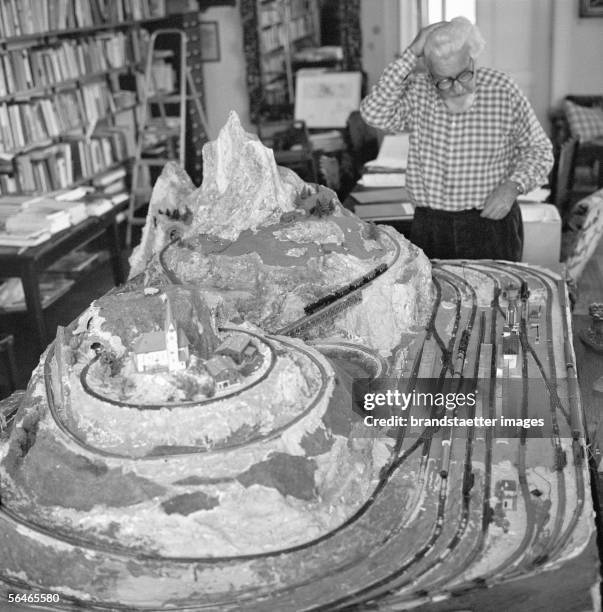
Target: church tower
(171,339)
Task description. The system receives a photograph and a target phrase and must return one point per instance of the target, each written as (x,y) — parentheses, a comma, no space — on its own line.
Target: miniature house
(167,349)
(239,348)
(507,490)
(223,370)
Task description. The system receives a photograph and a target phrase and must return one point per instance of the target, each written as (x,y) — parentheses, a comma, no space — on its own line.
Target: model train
(345,290)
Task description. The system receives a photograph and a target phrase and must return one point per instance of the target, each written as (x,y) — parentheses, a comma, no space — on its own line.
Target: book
(110,177)
(372,196)
(383,179)
(384,210)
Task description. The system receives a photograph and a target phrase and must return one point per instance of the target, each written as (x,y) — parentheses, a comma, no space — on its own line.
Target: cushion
(586,223)
(584,122)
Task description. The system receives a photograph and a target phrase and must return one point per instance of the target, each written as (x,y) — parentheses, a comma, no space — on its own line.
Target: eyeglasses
(464,77)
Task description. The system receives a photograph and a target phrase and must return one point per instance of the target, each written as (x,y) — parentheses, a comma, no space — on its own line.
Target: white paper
(393,152)
(383,179)
(536,195)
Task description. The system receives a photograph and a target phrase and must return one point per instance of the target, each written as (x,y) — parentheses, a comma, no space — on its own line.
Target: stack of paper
(540,194)
(389,168)
(24,240)
(27,222)
(393,154)
(383,204)
(76,210)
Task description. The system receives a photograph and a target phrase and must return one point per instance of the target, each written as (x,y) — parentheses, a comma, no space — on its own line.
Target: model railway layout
(457,508)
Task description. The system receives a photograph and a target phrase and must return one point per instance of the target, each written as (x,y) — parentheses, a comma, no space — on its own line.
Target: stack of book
(27,221)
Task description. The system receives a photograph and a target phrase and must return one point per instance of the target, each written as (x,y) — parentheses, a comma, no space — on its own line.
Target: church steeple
(171,337)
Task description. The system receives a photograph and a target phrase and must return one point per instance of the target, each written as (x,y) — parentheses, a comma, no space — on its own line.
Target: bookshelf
(71,80)
(273,30)
(70,83)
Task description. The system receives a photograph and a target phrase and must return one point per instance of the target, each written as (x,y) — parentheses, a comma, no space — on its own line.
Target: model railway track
(395,587)
(559,538)
(530,514)
(550,381)
(112,550)
(391,581)
(183,404)
(160,456)
(486,509)
(344,298)
(387,588)
(555,405)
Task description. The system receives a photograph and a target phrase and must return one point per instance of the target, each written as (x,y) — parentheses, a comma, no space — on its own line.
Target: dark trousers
(464,234)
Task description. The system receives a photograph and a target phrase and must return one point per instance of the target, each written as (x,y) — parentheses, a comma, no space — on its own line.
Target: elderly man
(475,144)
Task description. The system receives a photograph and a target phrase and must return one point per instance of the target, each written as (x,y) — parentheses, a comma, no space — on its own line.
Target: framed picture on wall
(591,8)
(326,99)
(210,41)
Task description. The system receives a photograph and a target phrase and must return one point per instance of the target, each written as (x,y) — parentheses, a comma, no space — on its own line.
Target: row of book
(26,17)
(61,165)
(31,68)
(31,124)
(275,36)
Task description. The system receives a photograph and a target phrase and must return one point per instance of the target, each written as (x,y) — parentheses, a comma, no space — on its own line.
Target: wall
(577,49)
(224,81)
(380,36)
(518,42)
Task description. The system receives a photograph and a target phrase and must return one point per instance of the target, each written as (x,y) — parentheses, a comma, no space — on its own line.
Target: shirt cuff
(519,185)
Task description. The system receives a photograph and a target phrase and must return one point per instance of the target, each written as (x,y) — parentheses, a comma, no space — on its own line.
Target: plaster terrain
(196,451)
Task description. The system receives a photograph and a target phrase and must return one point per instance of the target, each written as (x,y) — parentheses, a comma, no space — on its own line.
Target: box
(541,234)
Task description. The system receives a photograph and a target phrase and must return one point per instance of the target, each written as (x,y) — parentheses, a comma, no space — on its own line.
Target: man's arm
(533,161)
(534,158)
(389,104)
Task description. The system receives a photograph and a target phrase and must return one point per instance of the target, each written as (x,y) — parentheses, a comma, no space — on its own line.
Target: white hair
(451,38)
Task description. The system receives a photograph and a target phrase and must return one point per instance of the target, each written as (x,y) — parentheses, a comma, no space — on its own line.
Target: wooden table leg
(113,242)
(33,301)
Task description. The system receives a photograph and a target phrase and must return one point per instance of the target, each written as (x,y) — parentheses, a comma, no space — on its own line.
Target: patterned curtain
(351,36)
(251,47)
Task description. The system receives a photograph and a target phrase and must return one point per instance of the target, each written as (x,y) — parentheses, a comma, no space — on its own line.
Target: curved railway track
(397,587)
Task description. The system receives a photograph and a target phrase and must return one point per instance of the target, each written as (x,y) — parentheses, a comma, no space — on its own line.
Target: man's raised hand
(418,44)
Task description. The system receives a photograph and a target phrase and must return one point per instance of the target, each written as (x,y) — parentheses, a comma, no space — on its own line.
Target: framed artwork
(210,41)
(326,99)
(591,8)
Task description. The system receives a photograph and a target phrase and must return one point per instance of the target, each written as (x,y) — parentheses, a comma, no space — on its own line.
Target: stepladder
(167,88)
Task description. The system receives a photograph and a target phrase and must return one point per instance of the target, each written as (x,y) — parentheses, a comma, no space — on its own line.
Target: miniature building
(507,492)
(167,349)
(223,370)
(239,348)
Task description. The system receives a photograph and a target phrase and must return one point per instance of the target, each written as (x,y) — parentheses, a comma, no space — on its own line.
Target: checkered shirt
(456,160)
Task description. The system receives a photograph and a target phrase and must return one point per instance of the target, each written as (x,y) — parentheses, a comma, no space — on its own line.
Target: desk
(382,209)
(30,262)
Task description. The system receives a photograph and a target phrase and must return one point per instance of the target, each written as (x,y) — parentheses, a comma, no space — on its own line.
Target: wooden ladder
(161,135)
